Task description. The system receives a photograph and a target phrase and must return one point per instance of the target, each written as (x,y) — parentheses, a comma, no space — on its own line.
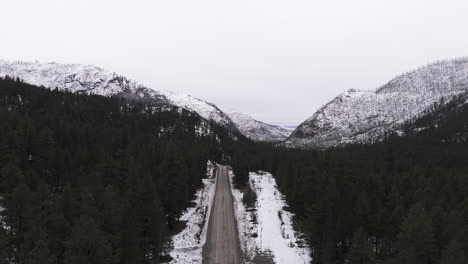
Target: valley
(98,163)
(234,132)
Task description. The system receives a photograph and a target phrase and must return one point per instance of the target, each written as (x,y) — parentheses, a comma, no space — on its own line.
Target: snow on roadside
(274,230)
(245,224)
(188,244)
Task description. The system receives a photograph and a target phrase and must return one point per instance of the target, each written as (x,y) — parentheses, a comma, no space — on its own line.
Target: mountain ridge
(357,116)
(91,79)
(250,127)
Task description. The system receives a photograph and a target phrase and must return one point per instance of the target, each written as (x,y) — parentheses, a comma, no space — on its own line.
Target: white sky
(278,61)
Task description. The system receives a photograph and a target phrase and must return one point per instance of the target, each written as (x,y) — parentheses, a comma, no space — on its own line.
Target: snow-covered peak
(366,116)
(94,80)
(257,130)
(206,110)
(90,79)
(78,78)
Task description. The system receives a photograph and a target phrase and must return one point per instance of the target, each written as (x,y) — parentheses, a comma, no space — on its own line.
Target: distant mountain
(205,109)
(257,130)
(367,116)
(90,79)
(77,78)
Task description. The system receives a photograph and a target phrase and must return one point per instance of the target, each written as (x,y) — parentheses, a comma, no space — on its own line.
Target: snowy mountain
(258,131)
(206,110)
(94,80)
(366,116)
(78,79)
(90,79)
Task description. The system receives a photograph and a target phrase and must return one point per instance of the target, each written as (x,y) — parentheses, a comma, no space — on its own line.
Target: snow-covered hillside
(78,79)
(206,110)
(366,116)
(257,130)
(94,80)
(90,79)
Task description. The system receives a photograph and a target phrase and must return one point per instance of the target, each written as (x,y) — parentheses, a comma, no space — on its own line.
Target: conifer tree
(175,173)
(417,242)
(86,244)
(152,229)
(40,254)
(453,254)
(360,251)
(10,176)
(4,246)
(19,217)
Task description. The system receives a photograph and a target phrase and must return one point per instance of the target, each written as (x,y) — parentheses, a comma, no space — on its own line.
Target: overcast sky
(278,61)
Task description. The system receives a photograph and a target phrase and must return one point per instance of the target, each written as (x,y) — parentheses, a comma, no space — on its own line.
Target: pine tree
(19,217)
(417,242)
(453,254)
(130,250)
(111,211)
(40,255)
(10,176)
(57,229)
(152,229)
(361,251)
(4,246)
(86,244)
(176,191)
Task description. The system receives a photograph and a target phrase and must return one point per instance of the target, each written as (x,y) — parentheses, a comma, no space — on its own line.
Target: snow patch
(245,224)
(203,129)
(188,244)
(269,228)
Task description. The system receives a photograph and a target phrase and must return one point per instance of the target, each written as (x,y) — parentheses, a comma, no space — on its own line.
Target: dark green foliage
(176,172)
(86,244)
(250,197)
(417,241)
(40,254)
(4,247)
(360,251)
(89,179)
(409,193)
(453,254)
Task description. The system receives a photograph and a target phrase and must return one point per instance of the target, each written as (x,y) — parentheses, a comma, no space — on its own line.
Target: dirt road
(222,241)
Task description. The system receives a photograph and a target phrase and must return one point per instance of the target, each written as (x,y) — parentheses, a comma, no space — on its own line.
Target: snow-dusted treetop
(365,116)
(257,130)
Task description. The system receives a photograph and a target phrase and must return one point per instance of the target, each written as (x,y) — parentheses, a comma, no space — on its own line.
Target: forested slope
(403,200)
(89,179)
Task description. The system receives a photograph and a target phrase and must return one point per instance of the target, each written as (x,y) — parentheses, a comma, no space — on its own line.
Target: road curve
(222,241)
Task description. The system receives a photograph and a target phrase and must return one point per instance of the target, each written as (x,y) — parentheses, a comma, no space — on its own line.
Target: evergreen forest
(90,179)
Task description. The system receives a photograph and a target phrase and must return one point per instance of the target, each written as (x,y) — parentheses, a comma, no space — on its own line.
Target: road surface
(222,241)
